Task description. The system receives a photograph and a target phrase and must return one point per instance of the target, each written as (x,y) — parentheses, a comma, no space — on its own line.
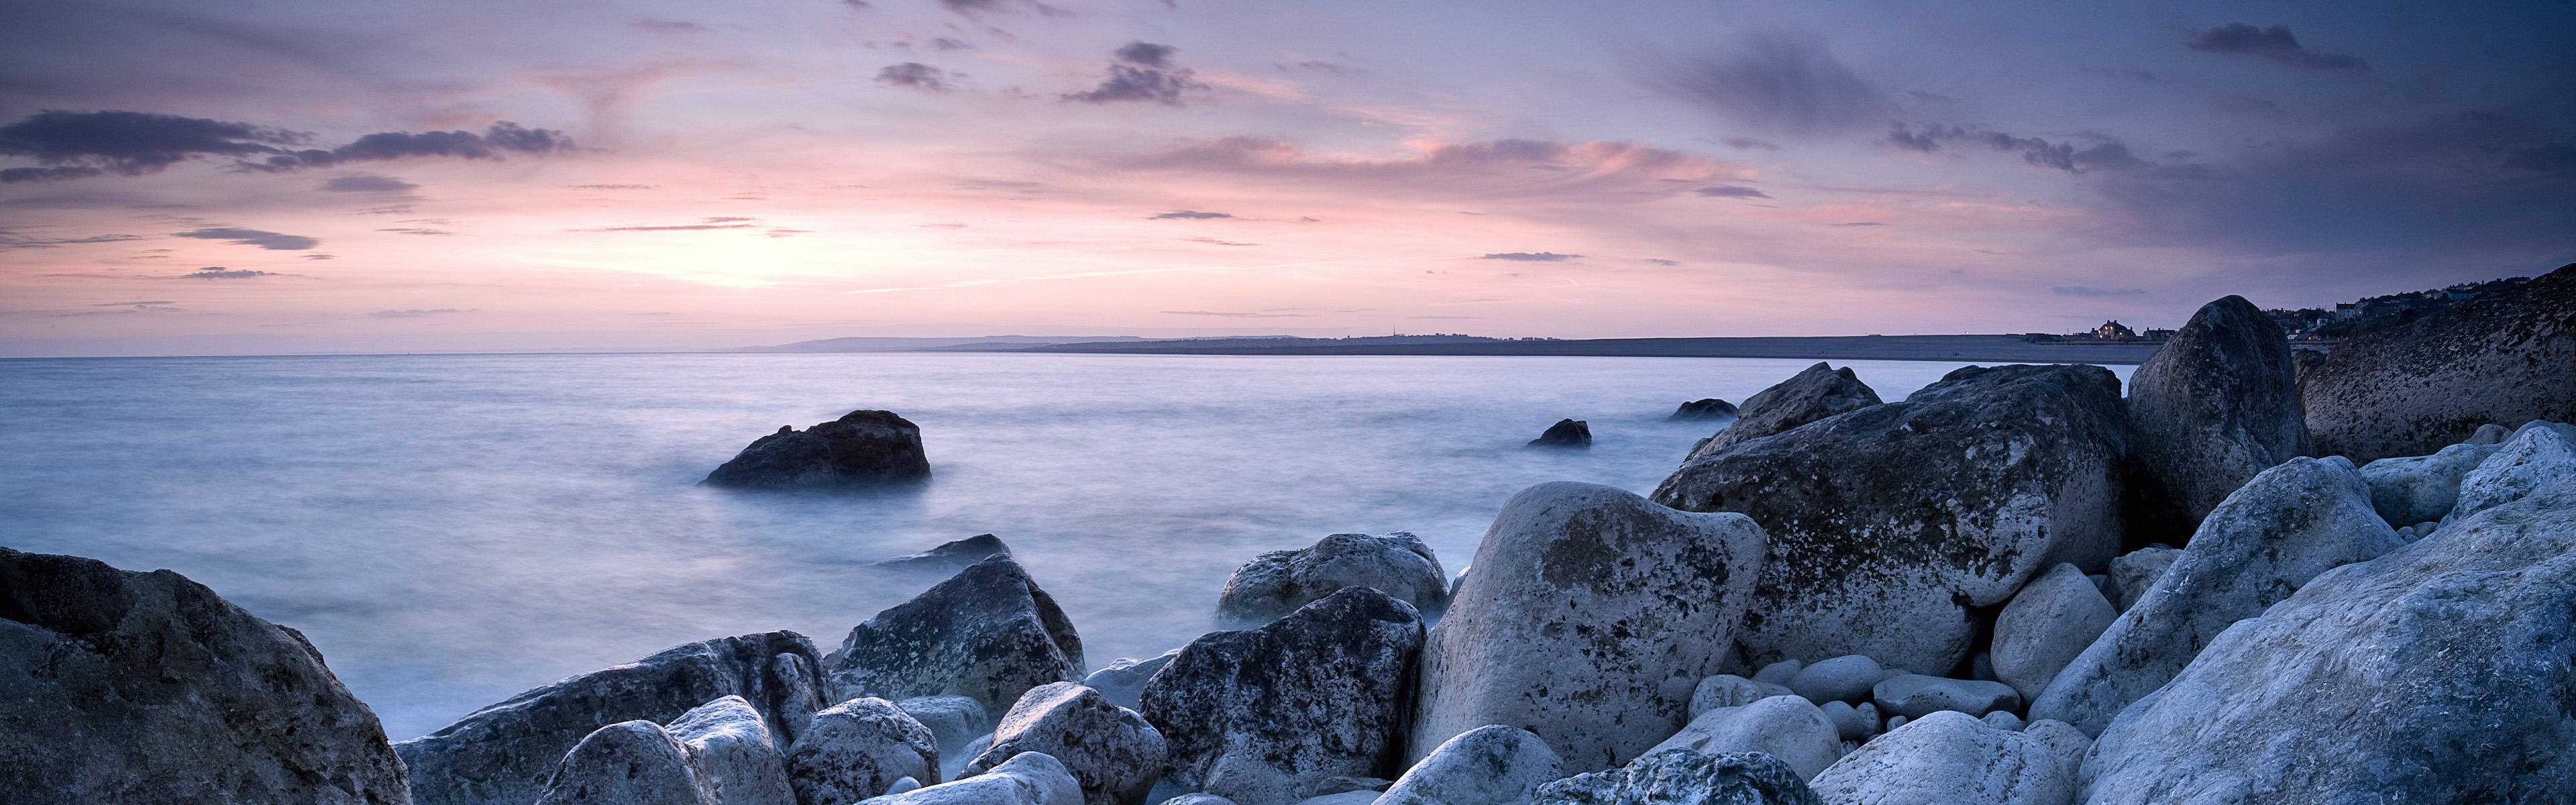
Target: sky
(267,176)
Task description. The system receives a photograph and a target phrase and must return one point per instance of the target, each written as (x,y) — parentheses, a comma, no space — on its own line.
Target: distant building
(2114,331)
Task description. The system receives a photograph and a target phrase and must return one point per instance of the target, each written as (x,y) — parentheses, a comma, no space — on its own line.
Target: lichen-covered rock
(2212,407)
(1123,682)
(2537,457)
(2408,389)
(861,448)
(1261,716)
(2136,572)
(949,557)
(1786,727)
(857,749)
(506,752)
(2439,672)
(1109,749)
(1028,778)
(1593,616)
(1729,690)
(1277,583)
(626,763)
(1917,695)
(2289,524)
(1703,410)
(1488,765)
(1565,433)
(1818,392)
(2045,626)
(2407,490)
(1684,777)
(988,633)
(1949,758)
(736,760)
(1889,523)
(118,686)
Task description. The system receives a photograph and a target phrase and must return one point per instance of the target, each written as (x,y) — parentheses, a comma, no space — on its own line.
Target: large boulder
(1949,758)
(2407,490)
(626,763)
(1029,778)
(1263,716)
(2212,407)
(1786,727)
(1109,749)
(2505,357)
(1819,392)
(857,749)
(861,448)
(117,686)
(1488,765)
(2047,624)
(1890,523)
(2538,456)
(506,752)
(2289,524)
(2439,672)
(987,633)
(1684,777)
(1277,583)
(1593,616)
(736,759)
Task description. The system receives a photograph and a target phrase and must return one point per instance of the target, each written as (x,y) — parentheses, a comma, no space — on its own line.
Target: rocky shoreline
(2250,576)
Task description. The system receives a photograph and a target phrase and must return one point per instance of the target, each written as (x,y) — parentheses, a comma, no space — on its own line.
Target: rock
(626,763)
(1684,777)
(2535,458)
(861,448)
(949,557)
(2436,673)
(988,633)
(2216,404)
(953,721)
(1787,727)
(2490,433)
(1779,673)
(1703,410)
(118,686)
(1277,583)
(1109,749)
(2045,626)
(857,749)
(1123,682)
(1846,679)
(2289,524)
(2003,721)
(2136,572)
(1915,696)
(1819,392)
(1888,524)
(1344,798)
(736,760)
(1894,722)
(1029,778)
(2408,389)
(1488,765)
(1262,715)
(1565,433)
(2064,741)
(2406,490)
(506,752)
(901,785)
(1331,786)
(1198,799)
(1849,722)
(1949,758)
(1594,615)
(1729,690)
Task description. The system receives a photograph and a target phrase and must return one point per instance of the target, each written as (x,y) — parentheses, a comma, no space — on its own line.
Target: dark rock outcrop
(118,686)
(1109,749)
(2212,407)
(1277,583)
(1565,433)
(1818,392)
(949,557)
(1703,410)
(861,448)
(1685,777)
(1264,716)
(506,752)
(2505,357)
(1888,524)
(987,633)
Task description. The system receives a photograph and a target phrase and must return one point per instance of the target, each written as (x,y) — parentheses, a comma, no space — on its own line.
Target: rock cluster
(861,448)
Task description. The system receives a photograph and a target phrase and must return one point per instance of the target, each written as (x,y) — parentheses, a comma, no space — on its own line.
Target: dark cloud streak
(1780,81)
(252,237)
(2273,43)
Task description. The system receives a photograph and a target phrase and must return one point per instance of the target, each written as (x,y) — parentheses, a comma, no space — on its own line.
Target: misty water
(452,529)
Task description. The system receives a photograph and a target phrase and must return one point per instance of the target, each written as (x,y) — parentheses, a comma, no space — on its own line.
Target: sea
(451,530)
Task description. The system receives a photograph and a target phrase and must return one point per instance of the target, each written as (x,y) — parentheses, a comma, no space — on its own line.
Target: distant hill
(917,344)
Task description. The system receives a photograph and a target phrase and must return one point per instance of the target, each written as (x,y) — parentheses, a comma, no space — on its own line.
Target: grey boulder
(856,750)
(1786,727)
(1818,392)
(1729,690)
(626,763)
(2408,389)
(1028,778)
(1949,759)
(861,448)
(2045,626)
(2216,404)
(1277,583)
(1684,777)
(1846,679)
(2407,490)
(736,760)
(2136,572)
(1915,696)
(1123,682)
(1109,749)
(2537,457)
(1488,765)
(988,633)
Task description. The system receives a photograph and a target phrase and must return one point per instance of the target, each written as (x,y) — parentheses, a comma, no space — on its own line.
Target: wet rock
(1489,765)
(2289,524)
(1703,410)
(859,449)
(858,749)
(1729,690)
(1261,716)
(2436,673)
(988,633)
(118,686)
(1565,433)
(953,721)
(2537,457)
(506,752)
(2408,389)
(1949,758)
(1123,682)
(1684,777)
(1847,679)
(1594,615)
(949,557)
(736,760)
(2212,407)
(626,763)
(1028,778)
(1915,696)
(2045,626)
(1787,727)
(1888,524)
(1277,583)
(1818,392)
(1109,749)
(2136,572)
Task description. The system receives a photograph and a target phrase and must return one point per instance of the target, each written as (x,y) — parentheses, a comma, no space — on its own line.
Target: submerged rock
(1277,583)
(987,633)
(1565,433)
(1949,758)
(2047,624)
(949,557)
(1489,765)
(1703,410)
(118,686)
(1786,727)
(2212,407)
(861,448)
(1819,392)
(1684,777)
(1109,749)
(2506,356)
(858,749)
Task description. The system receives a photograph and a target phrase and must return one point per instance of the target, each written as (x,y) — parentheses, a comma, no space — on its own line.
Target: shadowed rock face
(2505,357)
(2212,407)
(987,633)
(1889,523)
(1818,392)
(118,686)
(861,448)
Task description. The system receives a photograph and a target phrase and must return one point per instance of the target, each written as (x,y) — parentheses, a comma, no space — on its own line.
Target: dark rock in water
(1888,524)
(506,752)
(1701,410)
(2212,407)
(860,448)
(1264,716)
(950,557)
(1109,749)
(857,749)
(1565,433)
(1818,392)
(118,686)
(2505,357)
(1277,583)
(1685,777)
(987,633)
